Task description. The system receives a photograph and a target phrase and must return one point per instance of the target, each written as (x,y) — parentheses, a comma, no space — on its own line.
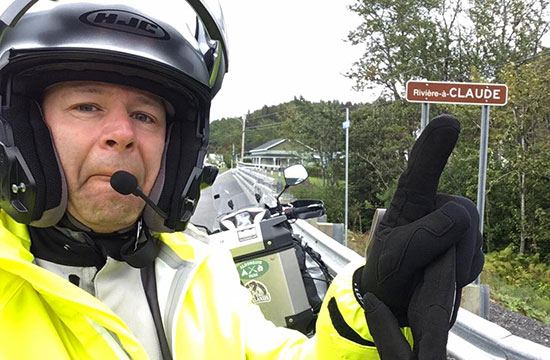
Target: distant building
(215,159)
(280,153)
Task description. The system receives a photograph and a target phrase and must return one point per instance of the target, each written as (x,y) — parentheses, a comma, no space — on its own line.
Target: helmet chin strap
(144,249)
(76,224)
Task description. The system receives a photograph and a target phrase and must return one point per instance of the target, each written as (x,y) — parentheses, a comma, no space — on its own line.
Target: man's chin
(107,217)
(107,225)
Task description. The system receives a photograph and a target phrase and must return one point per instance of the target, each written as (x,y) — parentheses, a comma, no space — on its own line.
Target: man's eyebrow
(151,100)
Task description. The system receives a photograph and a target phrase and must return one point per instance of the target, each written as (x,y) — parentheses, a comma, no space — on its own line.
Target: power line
(264,125)
(270,114)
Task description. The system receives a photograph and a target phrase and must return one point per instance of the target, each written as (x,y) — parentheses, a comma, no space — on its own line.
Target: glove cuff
(356,280)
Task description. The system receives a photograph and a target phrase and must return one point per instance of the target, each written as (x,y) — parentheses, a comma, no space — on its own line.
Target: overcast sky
(287,48)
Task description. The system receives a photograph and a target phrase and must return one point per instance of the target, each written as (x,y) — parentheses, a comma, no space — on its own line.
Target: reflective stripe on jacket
(206,313)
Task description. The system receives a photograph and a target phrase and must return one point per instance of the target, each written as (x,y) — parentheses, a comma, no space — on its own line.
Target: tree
(319,126)
(224,135)
(505,31)
(527,133)
(407,39)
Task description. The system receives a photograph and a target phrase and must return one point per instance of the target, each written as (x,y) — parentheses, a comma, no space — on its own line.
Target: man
(87,272)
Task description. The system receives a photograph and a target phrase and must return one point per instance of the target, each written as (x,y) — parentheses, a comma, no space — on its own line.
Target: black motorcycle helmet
(107,43)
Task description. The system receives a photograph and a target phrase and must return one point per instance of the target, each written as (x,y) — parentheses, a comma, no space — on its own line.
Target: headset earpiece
(32,187)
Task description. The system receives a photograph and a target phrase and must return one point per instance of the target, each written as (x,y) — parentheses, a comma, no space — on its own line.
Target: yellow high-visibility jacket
(207,313)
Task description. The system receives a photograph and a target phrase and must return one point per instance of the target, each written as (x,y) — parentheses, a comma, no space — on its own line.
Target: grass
(358,242)
(519,282)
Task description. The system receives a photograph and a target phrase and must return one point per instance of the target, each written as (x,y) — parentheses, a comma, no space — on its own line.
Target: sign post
(482,174)
(425,116)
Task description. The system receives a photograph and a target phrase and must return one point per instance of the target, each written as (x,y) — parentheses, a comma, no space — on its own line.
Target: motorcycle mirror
(209,174)
(295,174)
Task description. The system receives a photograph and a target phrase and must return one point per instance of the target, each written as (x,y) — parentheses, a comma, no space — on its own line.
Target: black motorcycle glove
(429,315)
(419,225)
(469,255)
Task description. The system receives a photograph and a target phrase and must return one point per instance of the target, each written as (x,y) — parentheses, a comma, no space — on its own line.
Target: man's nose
(118,130)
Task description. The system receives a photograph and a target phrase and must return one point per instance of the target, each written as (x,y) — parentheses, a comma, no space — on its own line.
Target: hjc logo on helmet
(125,21)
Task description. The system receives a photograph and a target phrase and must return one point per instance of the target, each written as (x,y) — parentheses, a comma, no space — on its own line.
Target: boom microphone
(125,183)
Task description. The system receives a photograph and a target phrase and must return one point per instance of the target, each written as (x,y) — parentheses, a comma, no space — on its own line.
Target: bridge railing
(256,181)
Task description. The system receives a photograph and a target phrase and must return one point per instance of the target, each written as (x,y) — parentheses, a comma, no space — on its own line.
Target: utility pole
(346,126)
(232,155)
(242,141)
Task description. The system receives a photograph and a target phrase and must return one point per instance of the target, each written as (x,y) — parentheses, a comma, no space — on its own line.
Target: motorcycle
(286,277)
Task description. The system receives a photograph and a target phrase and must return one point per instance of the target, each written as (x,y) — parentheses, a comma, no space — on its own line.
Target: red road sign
(457,93)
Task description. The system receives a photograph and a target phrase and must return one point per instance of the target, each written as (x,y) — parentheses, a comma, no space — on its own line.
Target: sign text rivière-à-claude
(457,93)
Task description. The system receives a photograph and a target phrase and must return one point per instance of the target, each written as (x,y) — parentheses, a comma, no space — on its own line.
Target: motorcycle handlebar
(305,212)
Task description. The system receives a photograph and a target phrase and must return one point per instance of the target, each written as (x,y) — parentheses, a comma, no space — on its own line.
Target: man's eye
(86,107)
(143,117)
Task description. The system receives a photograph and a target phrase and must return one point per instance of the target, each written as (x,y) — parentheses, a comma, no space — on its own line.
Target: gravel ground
(520,325)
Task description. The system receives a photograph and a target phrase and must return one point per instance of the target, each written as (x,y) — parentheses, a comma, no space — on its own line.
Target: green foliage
(405,39)
(318,125)
(521,154)
(519,282)
(332,196)
(504,32)
(314,171)
(381,135)
(225,138)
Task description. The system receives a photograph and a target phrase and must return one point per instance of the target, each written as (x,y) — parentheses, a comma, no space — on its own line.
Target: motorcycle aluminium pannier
(283,275)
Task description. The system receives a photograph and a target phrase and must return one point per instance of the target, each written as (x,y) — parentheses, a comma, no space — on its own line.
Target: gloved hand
(429,314)
(421,225)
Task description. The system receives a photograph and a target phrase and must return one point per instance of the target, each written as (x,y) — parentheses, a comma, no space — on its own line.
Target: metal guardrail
(471,338)
(259,166)
(257,183)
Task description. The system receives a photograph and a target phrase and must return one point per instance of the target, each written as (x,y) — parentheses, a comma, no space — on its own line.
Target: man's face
(98,129)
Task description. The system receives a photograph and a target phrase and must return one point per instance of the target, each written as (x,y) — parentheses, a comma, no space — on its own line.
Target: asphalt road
(213,201)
